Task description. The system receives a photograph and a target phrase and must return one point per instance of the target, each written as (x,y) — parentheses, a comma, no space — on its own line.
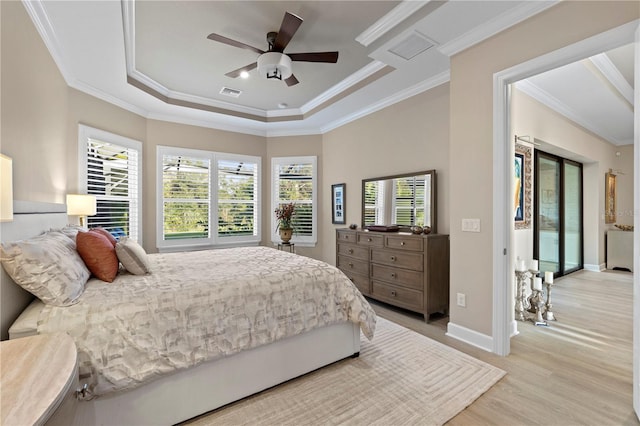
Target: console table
(402,269)
(620,249)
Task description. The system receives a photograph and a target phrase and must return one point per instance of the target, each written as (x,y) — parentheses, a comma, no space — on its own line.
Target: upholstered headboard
(29,220)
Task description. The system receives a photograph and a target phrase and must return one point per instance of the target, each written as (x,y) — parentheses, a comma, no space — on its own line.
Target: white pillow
(132,256)
(47,266)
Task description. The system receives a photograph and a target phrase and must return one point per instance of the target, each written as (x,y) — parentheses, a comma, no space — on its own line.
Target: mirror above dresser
(405,200)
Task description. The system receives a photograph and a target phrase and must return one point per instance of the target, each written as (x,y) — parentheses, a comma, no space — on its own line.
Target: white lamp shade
(81,205)
(271,63)
(6,189)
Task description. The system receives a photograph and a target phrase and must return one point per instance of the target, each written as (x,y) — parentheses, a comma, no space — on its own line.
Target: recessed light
(244,74)
(282,105)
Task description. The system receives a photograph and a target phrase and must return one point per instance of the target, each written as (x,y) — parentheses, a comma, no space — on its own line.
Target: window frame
(303,241)
(213,240)
(84,134)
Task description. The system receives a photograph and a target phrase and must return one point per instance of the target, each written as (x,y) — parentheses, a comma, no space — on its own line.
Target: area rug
(400,378)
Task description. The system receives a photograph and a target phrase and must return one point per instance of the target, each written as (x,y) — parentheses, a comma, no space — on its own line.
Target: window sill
(191,247)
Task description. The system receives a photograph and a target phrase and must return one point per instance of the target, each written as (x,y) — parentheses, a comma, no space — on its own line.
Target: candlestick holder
(533,273)
(522,304)
(548,314)
(537,300)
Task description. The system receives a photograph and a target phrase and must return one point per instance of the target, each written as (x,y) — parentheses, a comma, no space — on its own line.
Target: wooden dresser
(402,269)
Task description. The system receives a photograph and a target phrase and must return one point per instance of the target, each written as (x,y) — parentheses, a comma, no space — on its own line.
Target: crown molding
(256,129)
(35,10)
(390,20)
(390,100)
(561,108)
(496,25)
(613,75)
(355,78)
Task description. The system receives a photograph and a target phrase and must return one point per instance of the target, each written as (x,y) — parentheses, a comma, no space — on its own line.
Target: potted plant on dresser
(284,214)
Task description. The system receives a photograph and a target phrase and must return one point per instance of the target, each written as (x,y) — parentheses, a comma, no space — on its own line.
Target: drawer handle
(350,265)
(393,275)
(401,243)
(369,240)
(393,258)
(346,237)
(393,293)
(350,251)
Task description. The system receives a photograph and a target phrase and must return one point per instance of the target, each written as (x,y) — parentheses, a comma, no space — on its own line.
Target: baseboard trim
(594,268)
(469,336)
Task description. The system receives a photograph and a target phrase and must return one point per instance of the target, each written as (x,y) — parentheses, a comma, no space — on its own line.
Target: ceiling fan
(274,63)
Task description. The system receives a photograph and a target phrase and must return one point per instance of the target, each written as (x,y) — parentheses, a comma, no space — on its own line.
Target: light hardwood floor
(578,371)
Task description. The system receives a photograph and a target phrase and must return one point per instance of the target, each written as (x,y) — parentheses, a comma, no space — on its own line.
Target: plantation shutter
(296,186)
(186,194)
(373,203)
(409,201)
(112,177)
(237,198)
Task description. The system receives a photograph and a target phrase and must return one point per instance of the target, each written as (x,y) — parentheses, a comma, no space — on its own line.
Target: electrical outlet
(470,225)
(462,300)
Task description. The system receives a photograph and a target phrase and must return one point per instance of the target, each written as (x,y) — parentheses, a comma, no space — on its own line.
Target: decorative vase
(285,234)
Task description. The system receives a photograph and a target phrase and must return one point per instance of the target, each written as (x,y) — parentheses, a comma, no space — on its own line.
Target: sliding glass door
(558,241)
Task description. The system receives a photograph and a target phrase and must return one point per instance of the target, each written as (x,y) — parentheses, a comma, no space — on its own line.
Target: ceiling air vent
(227,91)
(411,46)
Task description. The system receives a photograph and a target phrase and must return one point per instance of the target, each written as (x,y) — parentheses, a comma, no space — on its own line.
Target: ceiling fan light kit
(274,65)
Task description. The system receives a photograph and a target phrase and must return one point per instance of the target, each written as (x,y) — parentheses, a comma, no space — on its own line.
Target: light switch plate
(470,225)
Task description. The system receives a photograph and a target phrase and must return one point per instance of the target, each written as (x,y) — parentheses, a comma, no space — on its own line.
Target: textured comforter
(199,306)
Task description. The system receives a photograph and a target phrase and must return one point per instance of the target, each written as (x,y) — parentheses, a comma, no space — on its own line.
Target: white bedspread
(198,306)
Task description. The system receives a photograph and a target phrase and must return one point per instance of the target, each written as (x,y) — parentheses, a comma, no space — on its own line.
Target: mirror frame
(433,199)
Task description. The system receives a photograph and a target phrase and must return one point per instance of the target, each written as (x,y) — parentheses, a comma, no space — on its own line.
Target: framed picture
(609,198)
(338,209)
(522,173)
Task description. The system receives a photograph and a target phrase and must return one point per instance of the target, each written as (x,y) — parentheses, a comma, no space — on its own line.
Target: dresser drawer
(397,276)
(346,236)
(405,242)
(406,260)
(350,265)
(354,251)
(361,281)
(370,240)
(399,296)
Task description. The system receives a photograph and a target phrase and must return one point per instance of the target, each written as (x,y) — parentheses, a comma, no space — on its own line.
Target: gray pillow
(47,266)
(132,256)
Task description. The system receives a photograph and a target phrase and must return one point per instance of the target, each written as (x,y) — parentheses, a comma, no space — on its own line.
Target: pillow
(106,233)
(98,254)
(47,266)
(624,227)
(70,231)
(133,257)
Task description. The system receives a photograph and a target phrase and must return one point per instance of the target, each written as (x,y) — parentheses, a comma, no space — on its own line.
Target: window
(195,186)
(294,180)
(409,201)
(374,202)
(110,167)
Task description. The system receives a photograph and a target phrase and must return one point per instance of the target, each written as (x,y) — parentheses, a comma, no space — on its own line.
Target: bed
(283,336)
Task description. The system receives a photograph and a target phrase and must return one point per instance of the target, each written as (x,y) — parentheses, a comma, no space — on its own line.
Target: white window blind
(374,202)
(110,169)
(207,198)
(186,195)
(237,198)
(295,181)
(409,201)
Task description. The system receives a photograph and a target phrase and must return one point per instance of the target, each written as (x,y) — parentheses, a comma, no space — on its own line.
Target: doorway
(558,211)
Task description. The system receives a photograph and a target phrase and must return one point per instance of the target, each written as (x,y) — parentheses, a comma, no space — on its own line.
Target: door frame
(503,152)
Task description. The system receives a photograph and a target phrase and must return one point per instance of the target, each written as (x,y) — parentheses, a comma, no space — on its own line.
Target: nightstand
(38,379)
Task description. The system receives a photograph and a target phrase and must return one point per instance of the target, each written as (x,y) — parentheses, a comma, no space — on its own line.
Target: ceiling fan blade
(234,43)
(331,57)
(236,73)
(289,26)
(291,81)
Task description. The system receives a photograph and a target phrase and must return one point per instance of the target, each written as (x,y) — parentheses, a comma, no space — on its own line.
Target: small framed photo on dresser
(338,209)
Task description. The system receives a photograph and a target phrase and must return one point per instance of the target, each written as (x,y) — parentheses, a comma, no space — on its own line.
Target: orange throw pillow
(98,254)
(106,233)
